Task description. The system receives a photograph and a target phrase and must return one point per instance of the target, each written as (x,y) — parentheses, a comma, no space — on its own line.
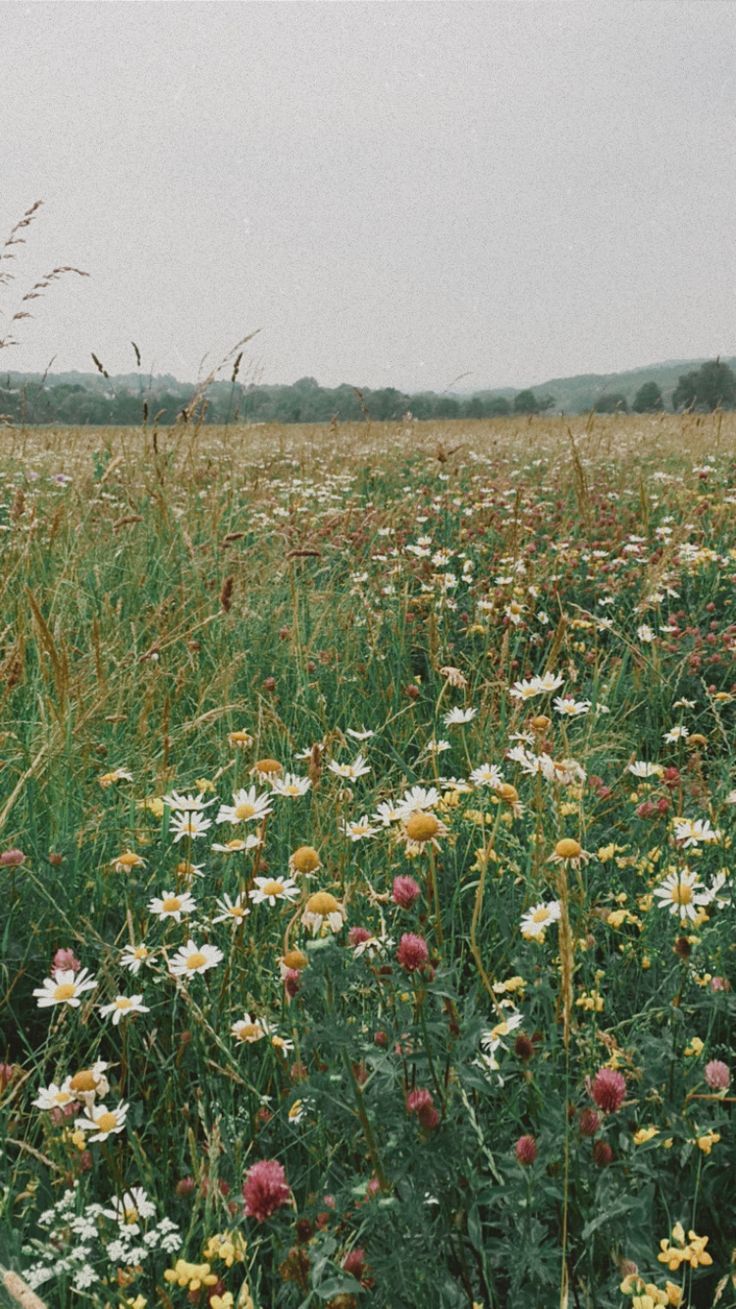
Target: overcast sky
(394,193)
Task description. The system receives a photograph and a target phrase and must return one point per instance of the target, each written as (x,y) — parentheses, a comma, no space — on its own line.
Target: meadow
(367,800)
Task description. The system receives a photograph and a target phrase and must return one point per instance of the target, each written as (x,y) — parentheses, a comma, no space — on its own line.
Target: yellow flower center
(107,1121)
(62,1097)
(267,766)
(249,1031)
(196,960)
(508,793)
(237,911)
(305,859)
(540,915)
(244,811)
(140,952)
(65,991)
(83,1081)
(123,1002)
(567,848)
(295,959)
(322,903)
(129,860)
(171,904)
(682,893)
(272,888)
(422,827)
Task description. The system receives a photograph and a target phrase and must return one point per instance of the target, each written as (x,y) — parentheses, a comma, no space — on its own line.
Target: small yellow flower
(694,1048)
(707,1141)
(645,1134)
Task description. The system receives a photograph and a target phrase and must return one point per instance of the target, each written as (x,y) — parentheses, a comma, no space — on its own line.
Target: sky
(391,194)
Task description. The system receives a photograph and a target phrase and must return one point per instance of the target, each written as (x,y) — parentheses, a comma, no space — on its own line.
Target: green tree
(648,399)
(497,407)
(712,386)
(612,403)
(526,403)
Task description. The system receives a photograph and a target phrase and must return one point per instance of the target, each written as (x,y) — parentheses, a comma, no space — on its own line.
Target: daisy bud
(526,1150)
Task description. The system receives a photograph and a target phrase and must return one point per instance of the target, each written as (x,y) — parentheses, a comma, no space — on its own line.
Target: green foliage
(712,386)
(648,399)
(334,594)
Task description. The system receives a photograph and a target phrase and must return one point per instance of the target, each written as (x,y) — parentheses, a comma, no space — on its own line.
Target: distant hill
(79,398)
(579,394)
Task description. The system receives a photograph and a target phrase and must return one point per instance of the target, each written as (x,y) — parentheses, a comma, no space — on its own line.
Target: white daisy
(54,1096)
(101,1121)
(190,824)
(237,844)
(133,957)
(271,889)
(538,919)
(417,798)
(122,1006)
(291,784)
(323,913)
(387,813)
(187,803)
(456,717)
(128,1208)
(681,893)
(192,958)
(694,831)
(249,1030)
(351,772)
(65,987)
(363,735)
(569,707)
(247,807)
(232,911)
(359,829)
(640,768)
(172,905)
(486,775)
(676,734)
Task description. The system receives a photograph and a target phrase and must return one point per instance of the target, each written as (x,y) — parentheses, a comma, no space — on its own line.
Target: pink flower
(420,1102)
(405,892)
(64,960)
(412,953)
(526,1150)
(357,935)
(608,1089)
(265,1189)
(717,1075)
(354,1262)
(720,984)
(12,858)
(589,1122)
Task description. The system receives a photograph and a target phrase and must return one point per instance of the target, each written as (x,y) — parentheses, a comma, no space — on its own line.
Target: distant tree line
(130,401)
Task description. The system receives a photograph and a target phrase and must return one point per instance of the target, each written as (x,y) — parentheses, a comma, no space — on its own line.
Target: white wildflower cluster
(87,1245)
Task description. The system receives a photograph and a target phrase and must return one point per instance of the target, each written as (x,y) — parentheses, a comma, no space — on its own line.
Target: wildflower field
(367,801)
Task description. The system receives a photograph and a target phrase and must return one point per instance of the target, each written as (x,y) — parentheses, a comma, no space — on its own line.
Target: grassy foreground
(367,802)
